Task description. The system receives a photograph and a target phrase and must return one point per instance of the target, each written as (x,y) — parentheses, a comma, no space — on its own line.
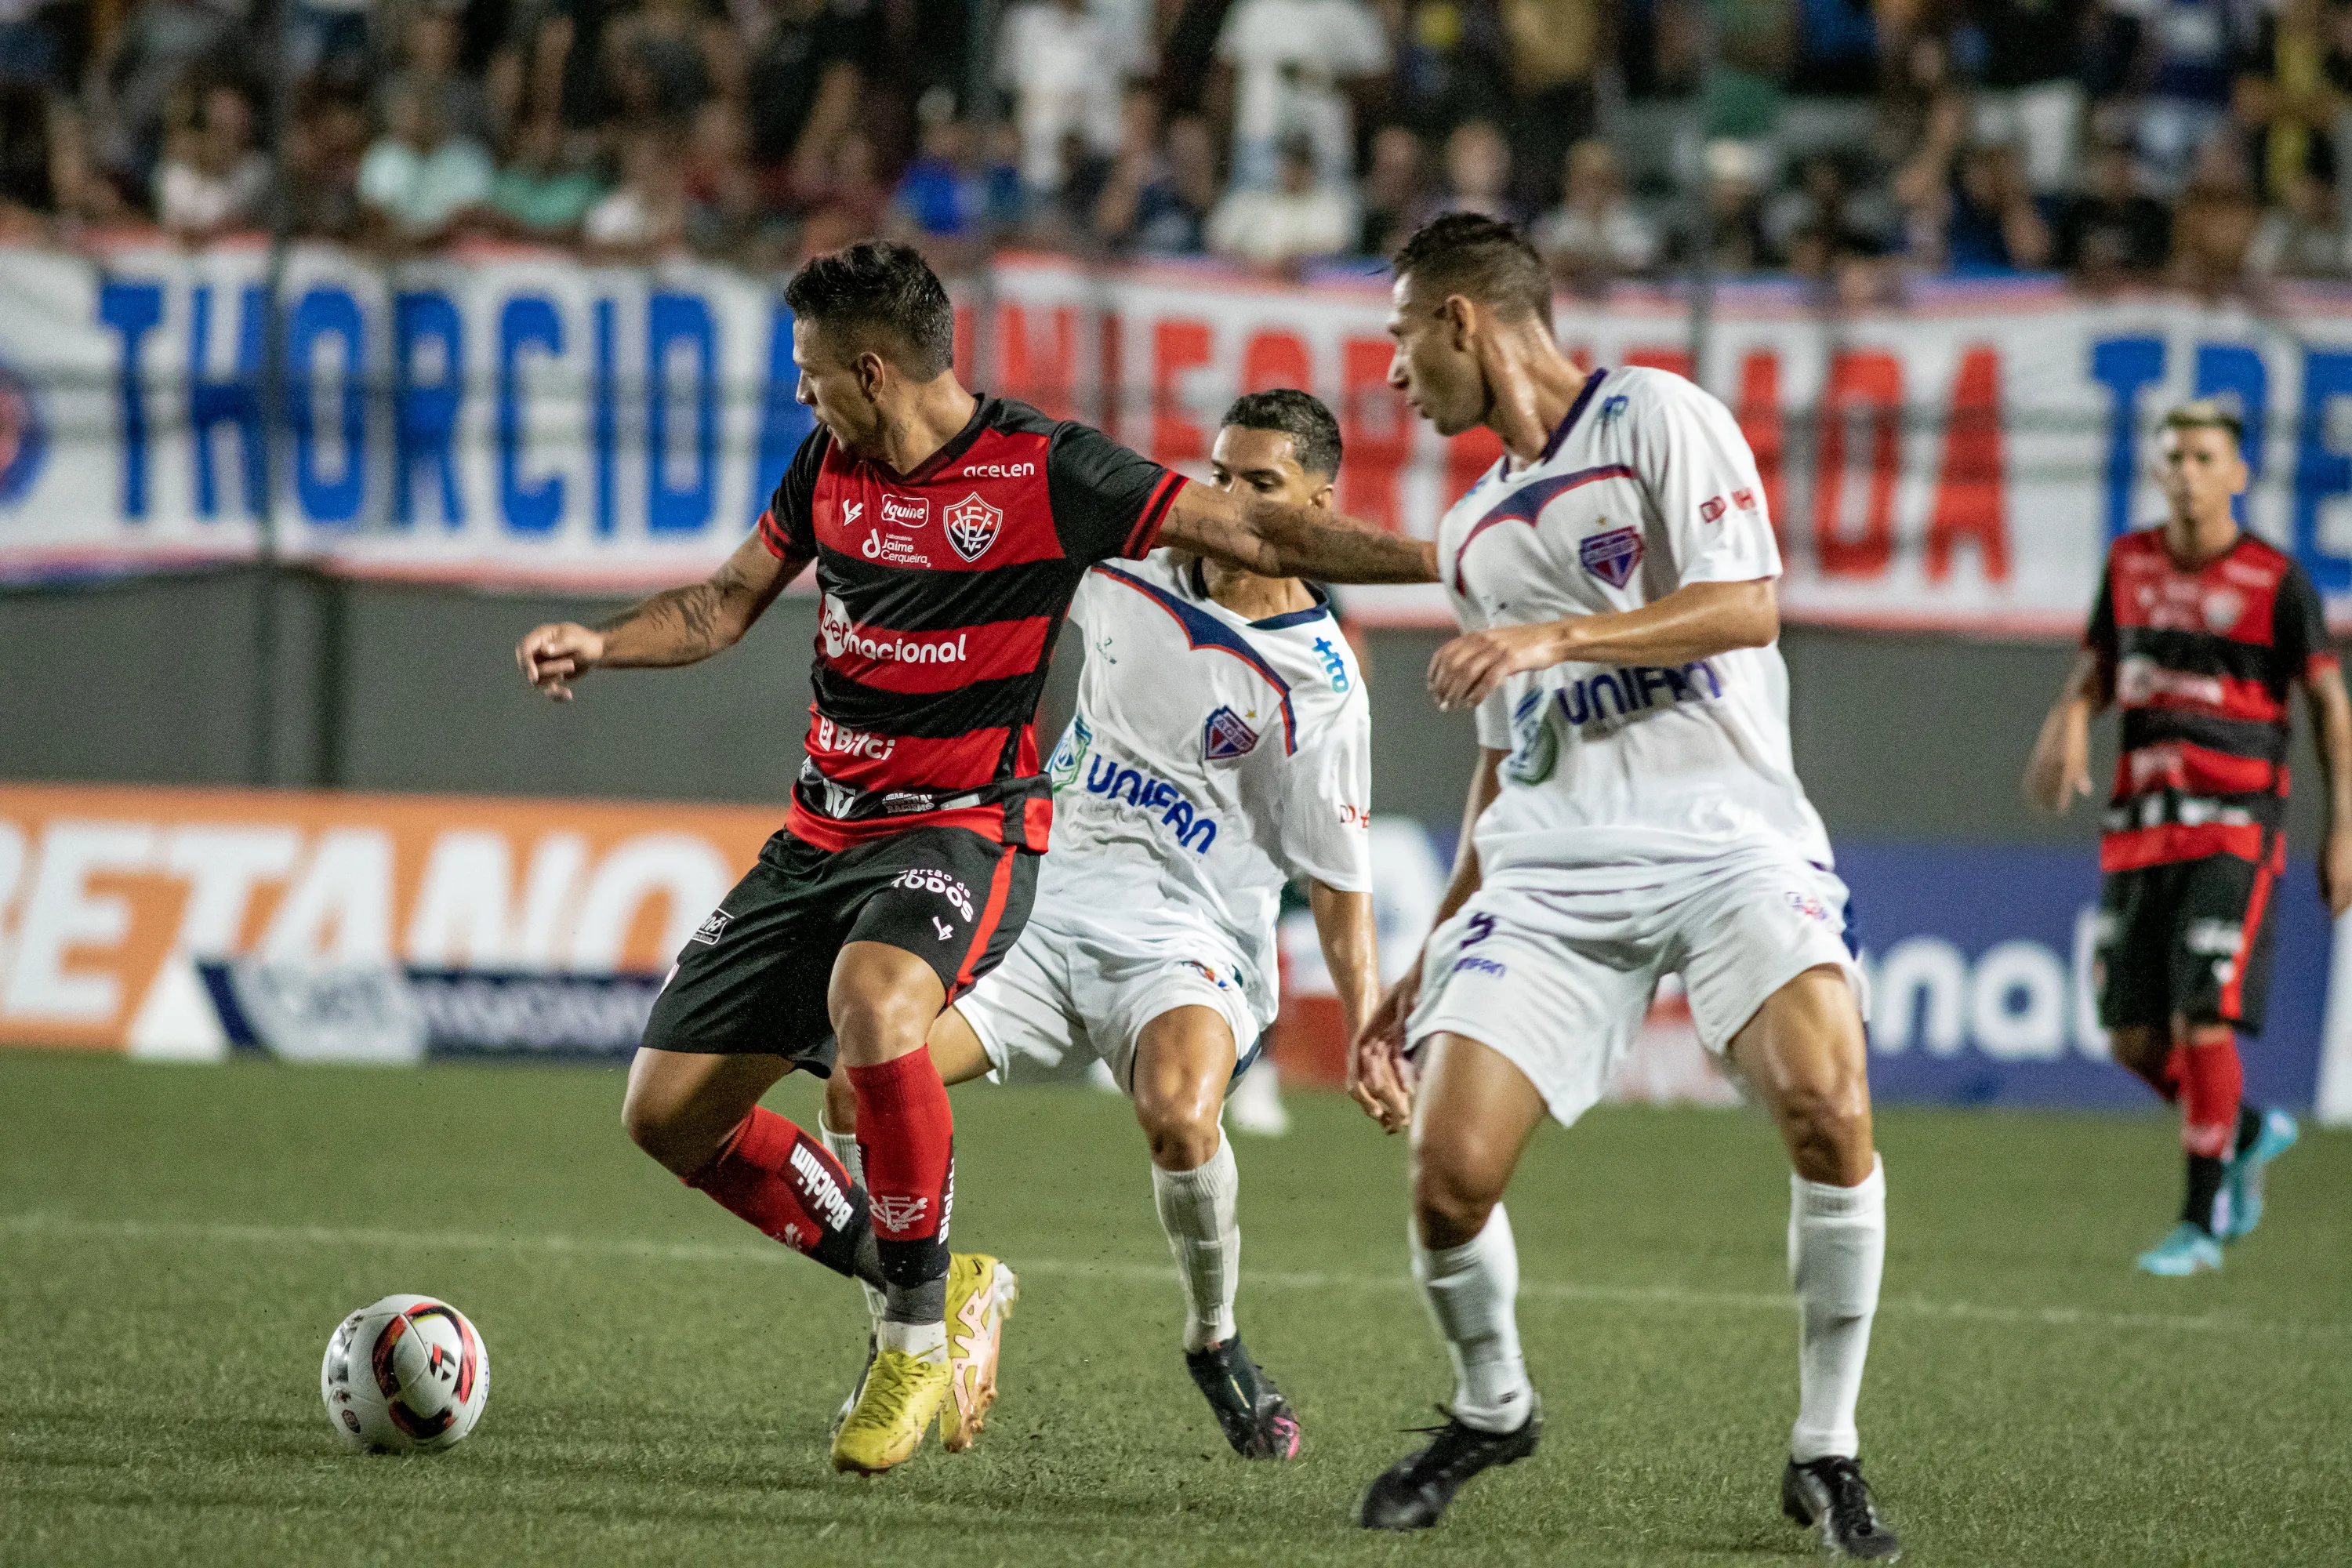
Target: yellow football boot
(895,1409)
(980,1293)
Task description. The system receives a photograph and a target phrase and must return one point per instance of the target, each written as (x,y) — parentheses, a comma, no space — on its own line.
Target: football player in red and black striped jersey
(949,530)
(2201,635)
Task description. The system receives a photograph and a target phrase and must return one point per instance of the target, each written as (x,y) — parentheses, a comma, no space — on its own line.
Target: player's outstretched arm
(678,625)
(1696,621)
(2331,730)
(1274,539)
(2059,769)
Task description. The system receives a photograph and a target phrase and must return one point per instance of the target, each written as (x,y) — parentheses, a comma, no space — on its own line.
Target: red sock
(2176,1068)
(906,1135)
(782,1180)
(2212,1079)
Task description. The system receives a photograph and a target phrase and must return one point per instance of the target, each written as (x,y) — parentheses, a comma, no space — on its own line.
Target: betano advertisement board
(185,923)
(499,415)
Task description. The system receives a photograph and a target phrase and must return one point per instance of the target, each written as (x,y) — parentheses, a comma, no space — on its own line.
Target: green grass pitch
(176,1245)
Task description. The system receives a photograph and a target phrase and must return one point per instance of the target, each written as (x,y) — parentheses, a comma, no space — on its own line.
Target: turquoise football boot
(2242,1185)
(2188,1249)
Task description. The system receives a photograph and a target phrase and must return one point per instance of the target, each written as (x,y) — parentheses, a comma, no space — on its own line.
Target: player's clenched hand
(554,655)
(1464,671)
(1379,1078)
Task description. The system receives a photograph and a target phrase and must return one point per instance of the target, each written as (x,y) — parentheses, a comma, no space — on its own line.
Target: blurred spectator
(1553,46)
(851,201)
(326,36)
(31,52)
(2213,223)
(1477,174)
(537,195)
(725,206)
(418,180)
(665,59)
(1061,64)
(1292,61)
(1836,53)
(940,198)
(2293,97)
(1158,202)
(803,83)
(1393,193)
(1451,64)
(1300,218)
(429,70)
(1826,218)
(324,151)
(1594,234)
(2112,231)
(2303,238)
(1995,224)
(212,178)
(2186,52)
(156,49)
(28,163)
(2029,91)
(1735,210)
(644,216)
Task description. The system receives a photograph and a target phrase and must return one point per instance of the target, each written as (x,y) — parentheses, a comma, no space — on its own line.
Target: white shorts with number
(1064,987)
(1559,982)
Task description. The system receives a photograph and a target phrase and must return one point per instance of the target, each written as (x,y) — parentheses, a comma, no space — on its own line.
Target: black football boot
(1413,1493)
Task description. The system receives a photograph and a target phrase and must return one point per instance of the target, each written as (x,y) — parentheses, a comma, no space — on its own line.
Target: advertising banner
(499,415)
(177,923)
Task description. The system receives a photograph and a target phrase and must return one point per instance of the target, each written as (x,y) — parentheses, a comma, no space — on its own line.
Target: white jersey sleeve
(1695,463)
(1327,803)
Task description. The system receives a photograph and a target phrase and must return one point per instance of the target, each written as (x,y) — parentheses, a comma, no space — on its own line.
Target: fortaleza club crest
(972,526)
(1225,737)
(1613,556)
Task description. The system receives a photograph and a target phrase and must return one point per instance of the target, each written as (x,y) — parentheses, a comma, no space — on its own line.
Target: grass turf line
(176,1245)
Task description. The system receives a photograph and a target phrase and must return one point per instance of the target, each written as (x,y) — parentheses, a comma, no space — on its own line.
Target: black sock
(2204,1186)
(2250,1127)
(865,1264)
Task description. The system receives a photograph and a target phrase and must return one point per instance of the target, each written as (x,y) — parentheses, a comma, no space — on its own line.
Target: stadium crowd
(1855,144)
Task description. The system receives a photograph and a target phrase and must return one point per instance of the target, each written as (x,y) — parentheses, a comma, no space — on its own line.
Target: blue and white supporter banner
(506,416)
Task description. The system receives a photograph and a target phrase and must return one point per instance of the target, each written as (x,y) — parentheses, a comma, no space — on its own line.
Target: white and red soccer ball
(407,1372)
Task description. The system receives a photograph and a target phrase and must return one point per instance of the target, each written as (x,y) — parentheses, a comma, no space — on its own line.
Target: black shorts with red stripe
(2189,939)
(753,978)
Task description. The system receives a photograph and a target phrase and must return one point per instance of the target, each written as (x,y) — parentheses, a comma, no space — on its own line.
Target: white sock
(1471,1290)
(928,1341)
(1197,1209)
(1837,1250)
(842,1146)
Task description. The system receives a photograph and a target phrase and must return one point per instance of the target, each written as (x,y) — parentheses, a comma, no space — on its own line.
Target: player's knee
(876,1022)
(1181,1137)
(1452,1199)
(1828,1128)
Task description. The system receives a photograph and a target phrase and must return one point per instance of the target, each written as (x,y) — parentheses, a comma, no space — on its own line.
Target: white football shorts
(1559,982)
(1063,988)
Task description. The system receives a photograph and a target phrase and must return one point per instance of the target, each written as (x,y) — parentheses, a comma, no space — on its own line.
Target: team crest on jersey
(1225,737)
(972,526)
(1613,556)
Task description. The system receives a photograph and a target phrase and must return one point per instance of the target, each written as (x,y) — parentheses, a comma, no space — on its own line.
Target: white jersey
(1210,760)
(1646,486)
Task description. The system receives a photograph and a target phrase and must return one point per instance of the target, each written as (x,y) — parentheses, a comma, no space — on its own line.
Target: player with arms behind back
(948,531)
(2200,635)
(1219,748)
(1633,813)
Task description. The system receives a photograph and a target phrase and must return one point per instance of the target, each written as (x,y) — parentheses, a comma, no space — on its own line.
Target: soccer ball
(406,1373)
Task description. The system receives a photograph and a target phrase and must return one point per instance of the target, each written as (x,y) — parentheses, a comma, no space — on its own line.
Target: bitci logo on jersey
(972,526)
(1225,737)
(1613,556)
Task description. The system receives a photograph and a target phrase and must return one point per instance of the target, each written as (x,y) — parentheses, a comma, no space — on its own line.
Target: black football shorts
(2191,940)
(753,978)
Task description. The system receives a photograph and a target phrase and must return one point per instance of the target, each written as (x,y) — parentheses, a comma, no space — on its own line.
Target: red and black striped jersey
(2202,662)
(941,593)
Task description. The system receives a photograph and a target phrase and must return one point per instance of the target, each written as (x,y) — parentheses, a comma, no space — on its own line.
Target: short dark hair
(882,296)
(1482,258)
(1314,434)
